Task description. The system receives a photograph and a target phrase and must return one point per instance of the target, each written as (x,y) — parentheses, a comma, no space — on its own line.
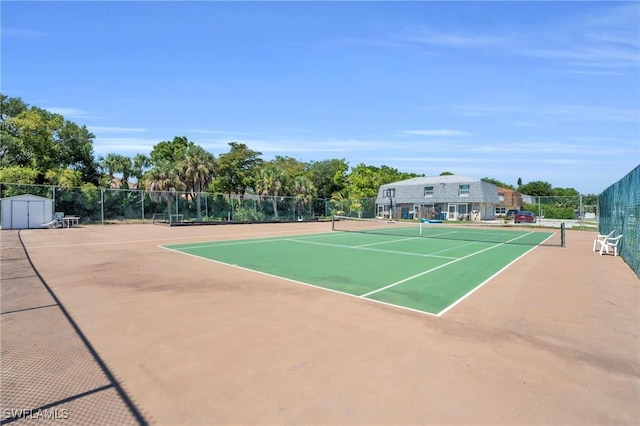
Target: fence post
(539,211)
(102,206)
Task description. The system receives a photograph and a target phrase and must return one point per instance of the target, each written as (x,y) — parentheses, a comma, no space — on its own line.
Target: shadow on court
(50,371)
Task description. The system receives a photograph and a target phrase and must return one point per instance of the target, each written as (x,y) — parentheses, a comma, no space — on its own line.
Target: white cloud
(215,132)
(590,55)
(108,129)
(427,35)
(441,132)
(69,112)
(565,112)
(286,146)
(600,38)
(22,33)
(125,146)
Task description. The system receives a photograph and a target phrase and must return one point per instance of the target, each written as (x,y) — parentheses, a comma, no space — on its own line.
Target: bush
(551,212)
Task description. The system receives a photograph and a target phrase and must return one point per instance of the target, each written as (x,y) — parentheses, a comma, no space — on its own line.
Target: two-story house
(449,197)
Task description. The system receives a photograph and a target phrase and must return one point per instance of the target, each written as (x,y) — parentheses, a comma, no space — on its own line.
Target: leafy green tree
(565,192)
(496,182)
(64,177)
(34,130)
(446,174)
(171,152)
(236,170)
(519,182)
(11,147)
(536,188)
(291,167)
(590,200)
(364,181)
(11,107)
(197,172)
(36,138)
(66,182)
(328,176)
(18,174)
(74,150)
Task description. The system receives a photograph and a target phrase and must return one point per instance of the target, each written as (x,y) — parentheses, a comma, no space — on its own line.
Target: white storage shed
(26,211)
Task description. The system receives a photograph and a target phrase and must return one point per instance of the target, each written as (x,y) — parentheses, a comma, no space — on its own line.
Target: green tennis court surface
(429,274)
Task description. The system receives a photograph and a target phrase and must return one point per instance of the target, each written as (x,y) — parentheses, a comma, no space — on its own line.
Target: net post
(562,235)
(333,222)
(420,224)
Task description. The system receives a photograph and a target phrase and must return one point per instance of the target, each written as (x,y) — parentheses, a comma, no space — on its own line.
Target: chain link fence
(620,211)
(104,205)
(581,211)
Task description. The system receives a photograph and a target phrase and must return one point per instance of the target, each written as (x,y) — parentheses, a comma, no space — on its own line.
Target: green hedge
(550,211)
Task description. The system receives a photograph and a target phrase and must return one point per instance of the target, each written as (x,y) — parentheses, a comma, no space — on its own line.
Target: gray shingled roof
(433,180)
(445,190)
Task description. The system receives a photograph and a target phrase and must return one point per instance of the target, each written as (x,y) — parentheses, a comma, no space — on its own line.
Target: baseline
(440,267)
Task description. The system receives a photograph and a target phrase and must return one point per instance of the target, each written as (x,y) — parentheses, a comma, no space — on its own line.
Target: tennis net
(525,236)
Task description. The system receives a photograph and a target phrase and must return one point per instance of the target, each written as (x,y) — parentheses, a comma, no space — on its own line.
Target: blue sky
(534,90)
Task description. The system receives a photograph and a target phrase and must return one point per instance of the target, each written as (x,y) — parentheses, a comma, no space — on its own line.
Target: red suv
(524,216)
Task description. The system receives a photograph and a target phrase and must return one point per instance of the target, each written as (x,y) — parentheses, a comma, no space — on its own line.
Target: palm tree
(162,183)
(140,163)
(340,202)
(197,171)
(304,192)
(270,184)
(116,163)
(108,166)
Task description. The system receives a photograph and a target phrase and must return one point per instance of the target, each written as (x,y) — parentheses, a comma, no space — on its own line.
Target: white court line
(439,267)
(168,239)
(388,242)
(473,233)
(439,234)
(221,243)
(363,297)
(301,283)
(473,290)
(284,238)
(457,247)
(404,253)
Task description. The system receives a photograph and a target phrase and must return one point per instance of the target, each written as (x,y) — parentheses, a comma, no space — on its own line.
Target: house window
(500,210)
(391,192)
(428,191)
(463,190)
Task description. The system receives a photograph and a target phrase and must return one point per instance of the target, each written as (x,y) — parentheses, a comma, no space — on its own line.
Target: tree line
(40,147)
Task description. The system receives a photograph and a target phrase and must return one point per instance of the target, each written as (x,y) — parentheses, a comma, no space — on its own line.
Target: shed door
(27,214)
(19,214)
(36,214)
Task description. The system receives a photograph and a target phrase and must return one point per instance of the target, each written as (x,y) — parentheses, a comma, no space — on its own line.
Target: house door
(458,210)
(453,212)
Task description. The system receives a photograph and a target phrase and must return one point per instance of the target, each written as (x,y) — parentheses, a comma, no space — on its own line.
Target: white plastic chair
(610,243)
(597,243)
